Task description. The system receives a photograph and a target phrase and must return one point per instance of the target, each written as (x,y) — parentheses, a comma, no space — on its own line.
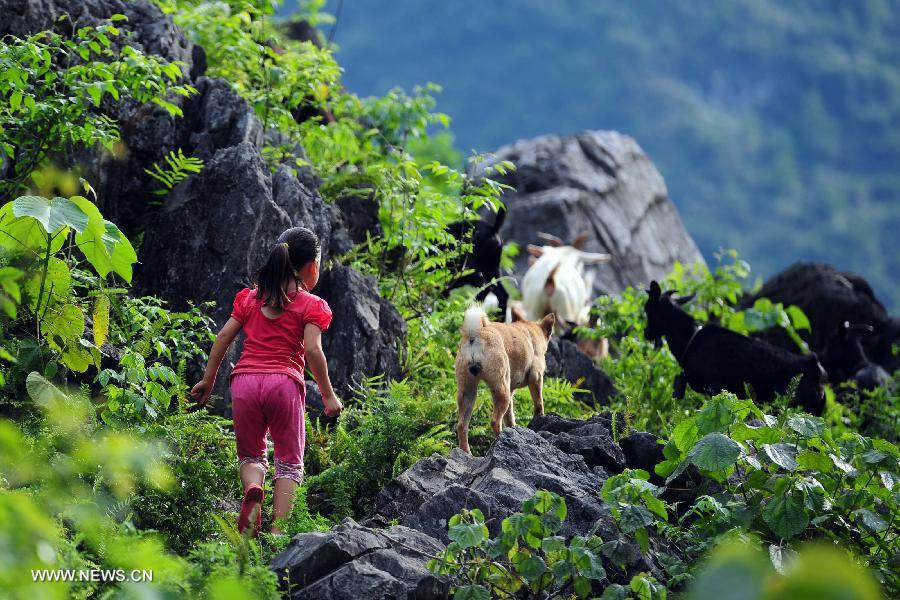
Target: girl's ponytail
(295,248)
(275,273)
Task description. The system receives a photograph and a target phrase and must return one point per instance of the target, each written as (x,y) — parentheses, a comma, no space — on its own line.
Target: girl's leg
(252,472)
(283,502)
(250,435)
(284,413)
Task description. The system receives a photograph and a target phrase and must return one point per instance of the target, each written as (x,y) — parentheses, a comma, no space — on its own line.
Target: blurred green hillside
(775,124)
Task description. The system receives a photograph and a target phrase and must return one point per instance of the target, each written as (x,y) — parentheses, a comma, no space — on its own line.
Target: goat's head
(662,309)
(843,352)
(556,249)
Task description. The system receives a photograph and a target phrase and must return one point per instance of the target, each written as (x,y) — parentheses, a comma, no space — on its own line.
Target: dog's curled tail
(474,320)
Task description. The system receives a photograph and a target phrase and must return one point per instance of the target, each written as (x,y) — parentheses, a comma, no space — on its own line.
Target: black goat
(484,258)
(844,358)
(713,358)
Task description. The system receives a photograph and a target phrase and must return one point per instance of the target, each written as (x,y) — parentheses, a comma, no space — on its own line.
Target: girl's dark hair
(294,249)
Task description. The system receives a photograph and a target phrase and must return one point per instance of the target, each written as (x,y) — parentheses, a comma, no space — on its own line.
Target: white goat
(556,282)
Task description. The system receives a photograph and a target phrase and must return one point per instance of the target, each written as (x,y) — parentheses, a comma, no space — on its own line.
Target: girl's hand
(200,392)
(333,406)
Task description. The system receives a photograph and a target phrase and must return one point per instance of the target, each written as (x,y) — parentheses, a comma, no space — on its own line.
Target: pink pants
(273,403)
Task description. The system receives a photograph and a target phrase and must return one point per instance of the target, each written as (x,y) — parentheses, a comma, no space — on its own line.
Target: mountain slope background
(776,126)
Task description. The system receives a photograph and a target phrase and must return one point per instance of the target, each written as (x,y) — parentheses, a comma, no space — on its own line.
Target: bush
(203,461)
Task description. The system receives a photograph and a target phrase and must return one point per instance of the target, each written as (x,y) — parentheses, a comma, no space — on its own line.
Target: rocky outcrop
(601,183)
(366,333)
(571,457)
(566,361)
(352,561)
(829,297)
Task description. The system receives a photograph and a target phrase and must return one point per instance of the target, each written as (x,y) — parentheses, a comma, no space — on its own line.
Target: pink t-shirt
(276,345)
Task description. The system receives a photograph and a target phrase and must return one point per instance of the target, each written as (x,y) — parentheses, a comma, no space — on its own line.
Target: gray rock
(566,361)
(599,182)
(352,561)
(366,330)
(519,463)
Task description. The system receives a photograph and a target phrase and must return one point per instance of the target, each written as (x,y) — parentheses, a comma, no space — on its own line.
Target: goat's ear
(594,258)
(547,324)
(685,299)
(655,291)
(535,251)
(860,329)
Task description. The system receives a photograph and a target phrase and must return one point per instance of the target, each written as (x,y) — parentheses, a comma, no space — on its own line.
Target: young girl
(282,322)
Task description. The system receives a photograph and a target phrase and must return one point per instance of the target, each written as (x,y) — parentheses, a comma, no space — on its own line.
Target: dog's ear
(655,291)
(535,251)
(516,314)
(547,324)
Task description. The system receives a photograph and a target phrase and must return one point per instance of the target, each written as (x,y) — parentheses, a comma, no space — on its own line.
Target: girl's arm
(203,389)
(315,360)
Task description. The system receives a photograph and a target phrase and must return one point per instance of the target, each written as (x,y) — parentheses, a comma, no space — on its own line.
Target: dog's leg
(466,391)
(502,404)
(509,419)
(536,387)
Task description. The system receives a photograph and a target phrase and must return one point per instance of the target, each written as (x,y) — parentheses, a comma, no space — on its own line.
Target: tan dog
(507,356)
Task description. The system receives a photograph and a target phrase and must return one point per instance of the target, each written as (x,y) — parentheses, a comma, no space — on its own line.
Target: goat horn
(550,239)
(579,241)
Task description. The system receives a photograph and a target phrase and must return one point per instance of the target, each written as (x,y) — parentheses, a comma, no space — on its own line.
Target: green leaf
(620,553)
(100,319)
(634,516)
(63,325)
(869,520)
(685,435)
(715,451)
(57,285)
(52,214)
(783,455)
(810,460)
(806,425)
(615,591)
(468,535)
(471,592)
(785,516)
(799,319)
(532,568)
(41,391)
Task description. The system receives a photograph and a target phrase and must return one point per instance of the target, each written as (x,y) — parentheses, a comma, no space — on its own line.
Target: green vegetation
(105,464)
(775,125)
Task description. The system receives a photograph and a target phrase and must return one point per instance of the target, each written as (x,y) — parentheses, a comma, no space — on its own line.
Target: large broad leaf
(104,245)
(41,391)
(63,325)
(51,213)
(57,285)
(785,516)
(471,592)
(806,425)
(19,235)
(714,451)
(783,455)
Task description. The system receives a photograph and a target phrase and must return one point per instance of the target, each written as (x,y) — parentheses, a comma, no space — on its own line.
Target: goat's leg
(468,279)
(536,387)
(499,291)
(680,386)
(466,392)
